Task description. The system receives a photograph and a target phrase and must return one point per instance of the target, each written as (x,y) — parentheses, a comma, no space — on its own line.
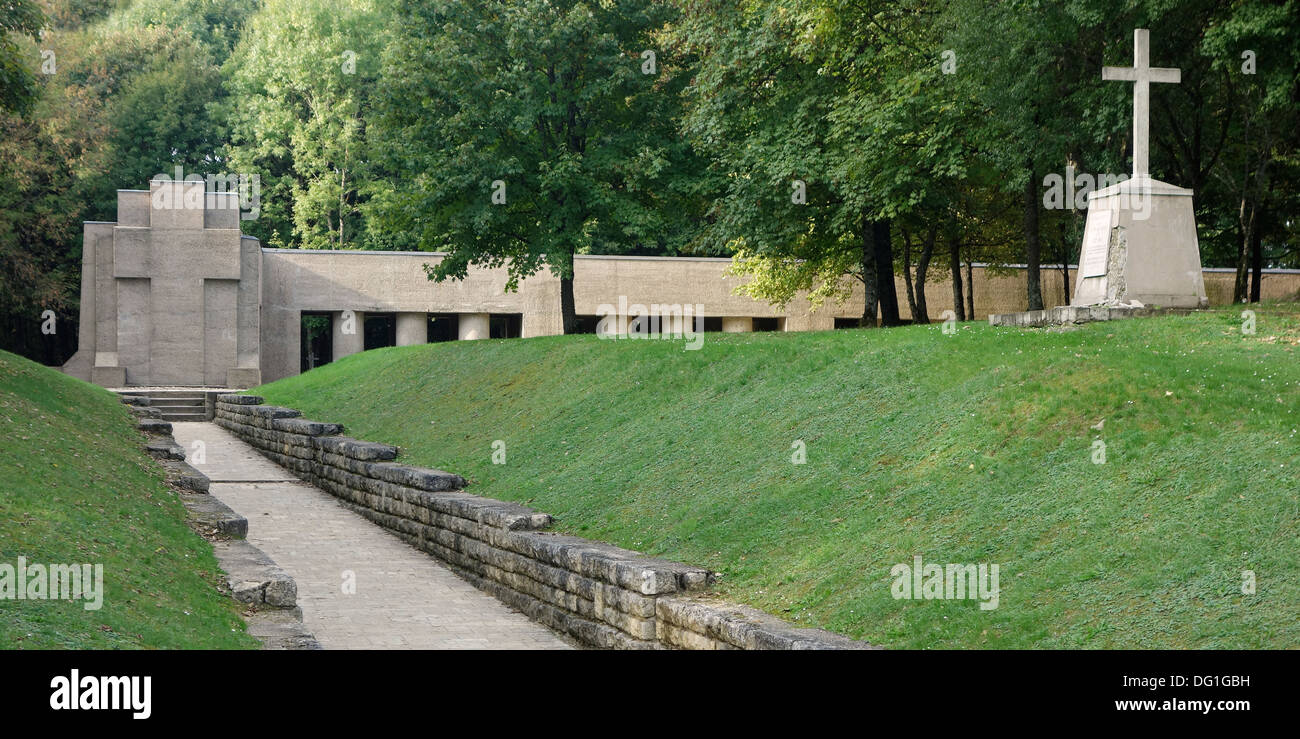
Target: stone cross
(1142,74)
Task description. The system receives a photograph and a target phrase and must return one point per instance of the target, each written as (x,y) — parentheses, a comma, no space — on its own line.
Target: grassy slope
(77,487)
(967,448)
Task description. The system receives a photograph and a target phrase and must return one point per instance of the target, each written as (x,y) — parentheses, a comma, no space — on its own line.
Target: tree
(216,24)
(157,112)
(758,110)
(303,81)
(531,131)
(1253,55)
(1038,81)
(846,102)
(17,81)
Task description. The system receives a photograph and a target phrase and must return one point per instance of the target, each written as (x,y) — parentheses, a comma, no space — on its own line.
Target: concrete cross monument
(170,292)
(1139,241)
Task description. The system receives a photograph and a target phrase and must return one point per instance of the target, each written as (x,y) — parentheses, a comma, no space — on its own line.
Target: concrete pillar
(737,324)
(346,343)
(412,328)
(671,324)
(475,326)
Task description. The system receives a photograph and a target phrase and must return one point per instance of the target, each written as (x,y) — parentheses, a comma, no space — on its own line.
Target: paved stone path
(404,599)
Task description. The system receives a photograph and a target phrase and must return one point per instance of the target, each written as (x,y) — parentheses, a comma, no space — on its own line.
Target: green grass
(76,487)
(971,448)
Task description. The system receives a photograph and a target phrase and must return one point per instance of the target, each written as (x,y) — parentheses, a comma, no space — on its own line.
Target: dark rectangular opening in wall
(317,343)
(848,322)
(381,330)
(587,324)
(710,324)
(443,327)
(505,325)
(767,324)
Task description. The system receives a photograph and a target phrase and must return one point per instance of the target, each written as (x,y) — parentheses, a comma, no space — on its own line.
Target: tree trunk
(970,289)
(907,274)
(1033,247)
(1065,266)
(882,238)
(1246,227)
(1256,263)
(954,264)
(568,309)
(869,294)
(922,312)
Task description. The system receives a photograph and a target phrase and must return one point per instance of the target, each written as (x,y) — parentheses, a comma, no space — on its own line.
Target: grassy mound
(77,488)
(973,448)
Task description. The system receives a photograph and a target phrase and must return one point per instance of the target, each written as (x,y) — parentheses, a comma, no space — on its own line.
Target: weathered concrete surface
(1140,244)
(403,599)
(173,292)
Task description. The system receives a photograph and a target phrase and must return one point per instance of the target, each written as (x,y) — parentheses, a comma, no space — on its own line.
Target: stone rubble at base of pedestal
(1076,314)
(1117,303)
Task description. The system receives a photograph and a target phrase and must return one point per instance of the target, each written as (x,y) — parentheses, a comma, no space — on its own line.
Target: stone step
(171,405)
(177,416)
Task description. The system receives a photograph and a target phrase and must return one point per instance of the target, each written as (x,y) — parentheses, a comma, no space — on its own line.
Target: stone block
(233,399)
(183,475)
(164,447)
(108,376)
(281,592)
(680,638)
(210,513)
(132,252)
(306,428)
(417,477)
(243,377)
(154,426)
(272,411)
(247,591)
(133,208)
(365,451)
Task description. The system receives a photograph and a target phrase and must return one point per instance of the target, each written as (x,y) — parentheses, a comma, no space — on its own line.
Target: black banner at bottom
(936,689)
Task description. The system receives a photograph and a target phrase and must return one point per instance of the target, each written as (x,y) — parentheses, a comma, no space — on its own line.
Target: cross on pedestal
(1142,74)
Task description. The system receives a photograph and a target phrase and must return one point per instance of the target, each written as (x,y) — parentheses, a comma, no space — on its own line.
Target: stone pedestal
(1140,244)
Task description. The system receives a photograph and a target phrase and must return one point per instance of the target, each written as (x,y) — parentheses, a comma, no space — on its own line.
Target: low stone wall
(599,594)
(252,577)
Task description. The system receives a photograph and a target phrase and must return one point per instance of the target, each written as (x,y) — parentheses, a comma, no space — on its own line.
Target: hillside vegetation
(76,487)
(974,448)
